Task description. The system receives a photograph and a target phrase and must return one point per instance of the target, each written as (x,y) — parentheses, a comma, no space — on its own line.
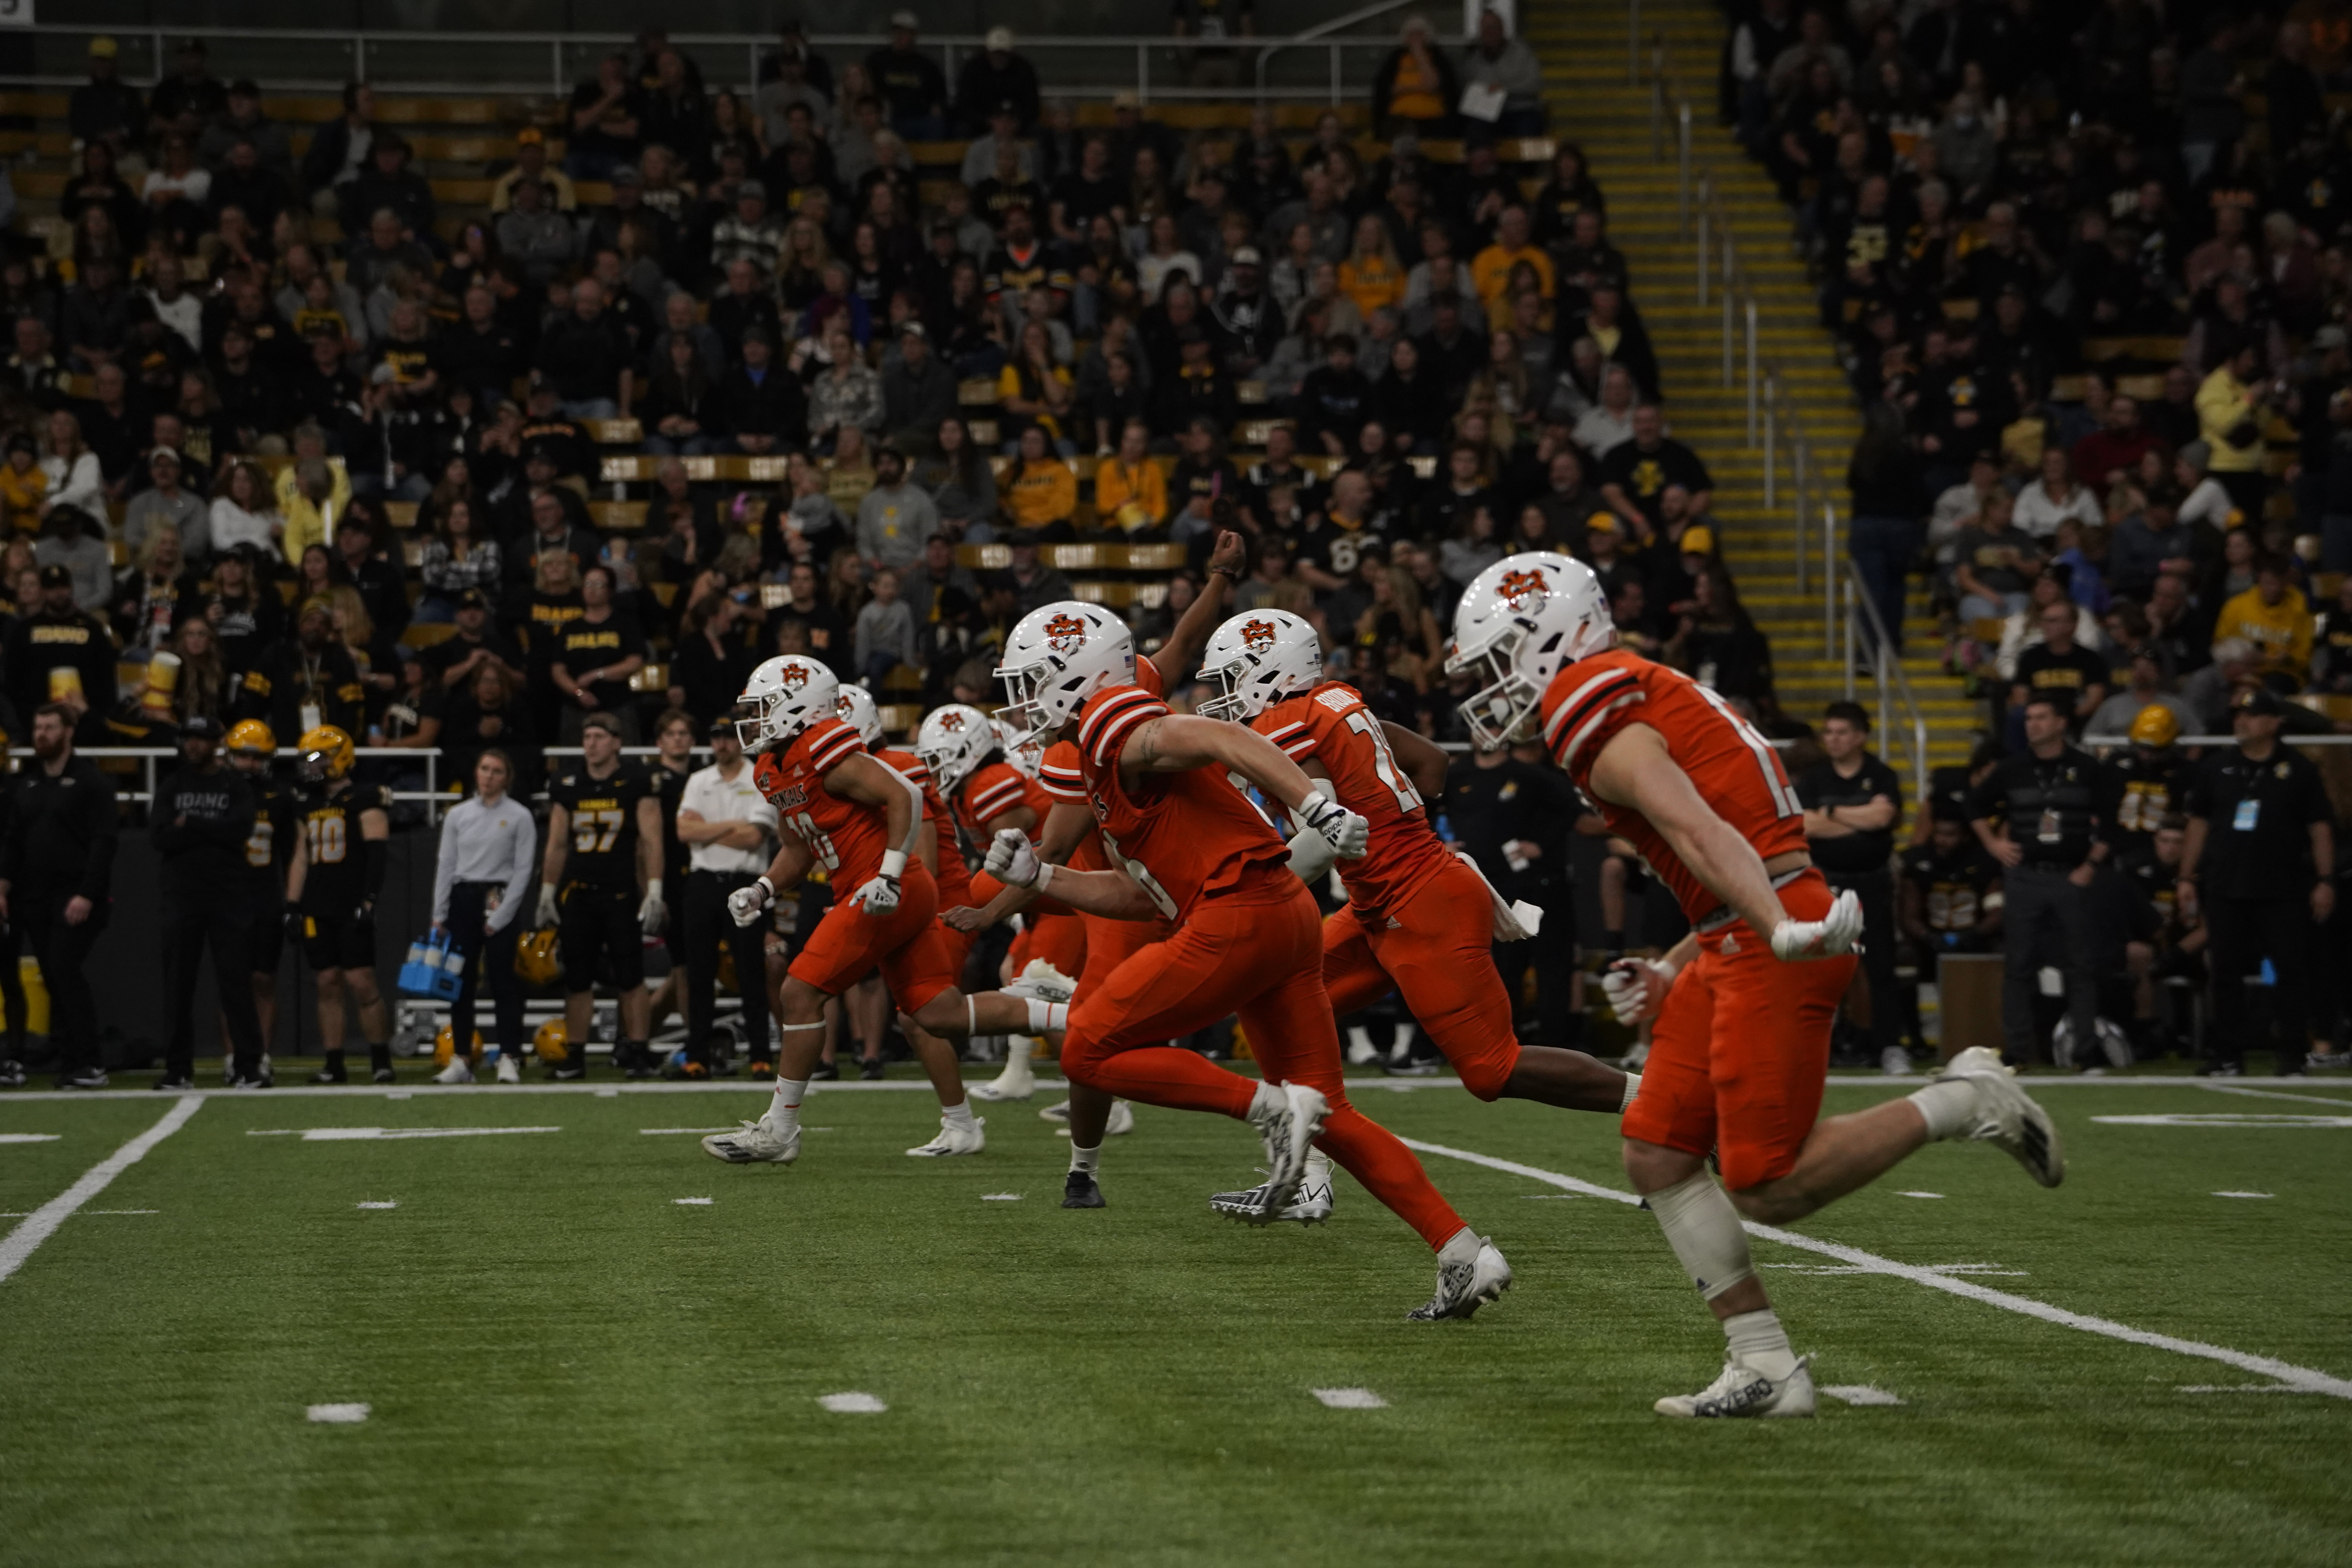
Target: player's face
(599,746)
(1841,739)
(1946,836)
(251,764)
(678,741)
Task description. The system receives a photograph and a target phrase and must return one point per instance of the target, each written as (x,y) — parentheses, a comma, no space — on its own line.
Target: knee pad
(1703,1229)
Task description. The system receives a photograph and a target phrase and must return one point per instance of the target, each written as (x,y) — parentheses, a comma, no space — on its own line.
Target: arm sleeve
(99,822)
(375,858)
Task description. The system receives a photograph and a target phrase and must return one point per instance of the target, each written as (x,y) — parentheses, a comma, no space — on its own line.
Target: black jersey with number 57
(602,849)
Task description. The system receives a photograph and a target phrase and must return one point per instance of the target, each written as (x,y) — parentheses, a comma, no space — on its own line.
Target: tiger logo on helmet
(1517,588)
(1066,634)
(1255,661)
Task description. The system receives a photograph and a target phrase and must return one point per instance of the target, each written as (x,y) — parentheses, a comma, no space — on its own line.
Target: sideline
(2302,1379)
(42,1222)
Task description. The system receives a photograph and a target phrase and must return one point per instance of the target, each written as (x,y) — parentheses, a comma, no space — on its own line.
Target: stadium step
(1593,104)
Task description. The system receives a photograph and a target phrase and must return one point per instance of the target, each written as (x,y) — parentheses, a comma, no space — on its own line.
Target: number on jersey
(1142,877)
(1776,782)
(260,842)
(592,832)
(819,841)
(329,840)
(1384,762)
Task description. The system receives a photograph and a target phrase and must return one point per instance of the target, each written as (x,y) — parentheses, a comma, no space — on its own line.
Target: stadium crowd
(284,443)
(2088,270)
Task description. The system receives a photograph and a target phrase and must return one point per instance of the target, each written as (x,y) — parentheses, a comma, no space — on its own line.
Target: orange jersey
(954,877)
(1331,725)
(990,791)
(1181,835)
(1064,782)
(847,836)
(1734,769)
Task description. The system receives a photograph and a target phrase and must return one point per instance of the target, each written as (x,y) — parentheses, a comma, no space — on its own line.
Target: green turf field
(564,1363)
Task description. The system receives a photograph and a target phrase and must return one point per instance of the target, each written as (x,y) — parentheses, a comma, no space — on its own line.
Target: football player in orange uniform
(988,794)
(1739,1052)
(862,820)
(1189,847)
(1419,919)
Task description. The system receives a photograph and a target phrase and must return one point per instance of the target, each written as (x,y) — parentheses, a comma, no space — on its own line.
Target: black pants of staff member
(708,927)
(11,991)
(2049,922)
(491,953)
(1551,953)
(189,921)
(63,951)
(1876,891)
(2244,932)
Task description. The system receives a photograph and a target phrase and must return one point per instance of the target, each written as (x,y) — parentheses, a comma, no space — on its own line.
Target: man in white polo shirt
(729,829)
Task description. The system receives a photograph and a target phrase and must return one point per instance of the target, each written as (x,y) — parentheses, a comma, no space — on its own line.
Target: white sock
(1462,1246)
(1760,1342)
(958,1115)
(1087,1160)
(1632,1088)
(784,1110)
(1947,1107)
(1401,1049)
(1017,1049)
(1266,1100)
(1048,1017)
(1318,1165)
(1360,1044)
(1702,1228)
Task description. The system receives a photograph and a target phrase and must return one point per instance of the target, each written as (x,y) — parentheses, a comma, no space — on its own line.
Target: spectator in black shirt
(762,404)
(586,355)
(1852,801)
(1334,398)
(1635,473)
(2074,677)
(2261,849)
(106,107)
(55,636)
(911,83)
(2040,814)
(454,660)
(481,351)
(56,870)
(1951,893)
(606,121)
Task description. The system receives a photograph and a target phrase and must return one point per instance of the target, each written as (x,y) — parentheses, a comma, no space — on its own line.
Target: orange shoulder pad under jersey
(1181,835)
(1330,725)
(991,790)
(954,875)
(847,836)
(1065,784)
(1734,769)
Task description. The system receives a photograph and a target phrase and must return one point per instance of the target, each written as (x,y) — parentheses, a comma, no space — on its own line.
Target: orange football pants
(907,945)
(1740,1050)
(1256,950)
(1436,947)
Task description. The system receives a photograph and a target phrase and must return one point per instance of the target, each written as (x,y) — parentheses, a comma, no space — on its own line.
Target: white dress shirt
(716,798)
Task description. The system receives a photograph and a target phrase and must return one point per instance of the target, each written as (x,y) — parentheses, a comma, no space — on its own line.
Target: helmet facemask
(1501,711)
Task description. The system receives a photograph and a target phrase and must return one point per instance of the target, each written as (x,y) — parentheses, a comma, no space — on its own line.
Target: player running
(839,807)
(1419,919)
(1740,1049)
(601,885)
(333,882)
(1189,847)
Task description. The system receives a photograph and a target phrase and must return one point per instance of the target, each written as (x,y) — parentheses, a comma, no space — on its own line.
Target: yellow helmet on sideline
(2155,726)
(548,1042)
(444,1046)
(535,957)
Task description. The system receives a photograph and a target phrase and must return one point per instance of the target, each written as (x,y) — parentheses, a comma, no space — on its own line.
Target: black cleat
(330,1075)
(253,1080)
(870,1069)
(571,1071)
(385,1075)
(171,1084)
(824,1072)
(12,1075)
(1079,1191)
(87,1077)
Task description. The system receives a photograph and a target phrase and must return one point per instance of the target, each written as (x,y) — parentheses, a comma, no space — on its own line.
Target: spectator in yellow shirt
(2272,616)
(310,509)
(1490,271)
(1041,494)
(1372,275)
(1415,87)
(1130,492)
(23,486)
(2233,405)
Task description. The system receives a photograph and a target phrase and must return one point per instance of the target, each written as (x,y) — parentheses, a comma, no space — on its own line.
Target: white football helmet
(1024,751)
(855,707)
(952,742)
(1256,659)
(784,696)
(1059,657)
(1520,623)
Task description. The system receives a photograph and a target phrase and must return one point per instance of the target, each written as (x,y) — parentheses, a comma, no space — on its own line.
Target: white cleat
(1312,1205)
(755,1142)
(1017,1080)
(1122,1119)
(510,1070)
(459,1070)
(1041,982)
(1463,1287)
(1743,1392)
(2007,1116)
(1289,1126)
(954,1139)
(1894,1061)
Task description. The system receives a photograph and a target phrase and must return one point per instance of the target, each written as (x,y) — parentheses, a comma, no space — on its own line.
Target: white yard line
(2336,1101)
(42,1222)
(2301,1378)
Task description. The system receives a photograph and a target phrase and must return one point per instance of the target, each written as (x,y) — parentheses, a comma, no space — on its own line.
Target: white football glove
(1311,856)
(1011,859)
(1350,835)
(1833,936)
(1637,987)
(746,904)
(879,896)
(546,905)
(650,912)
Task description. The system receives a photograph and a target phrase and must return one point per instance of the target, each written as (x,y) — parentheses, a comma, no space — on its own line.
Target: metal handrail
(359,41)
(1895,691)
